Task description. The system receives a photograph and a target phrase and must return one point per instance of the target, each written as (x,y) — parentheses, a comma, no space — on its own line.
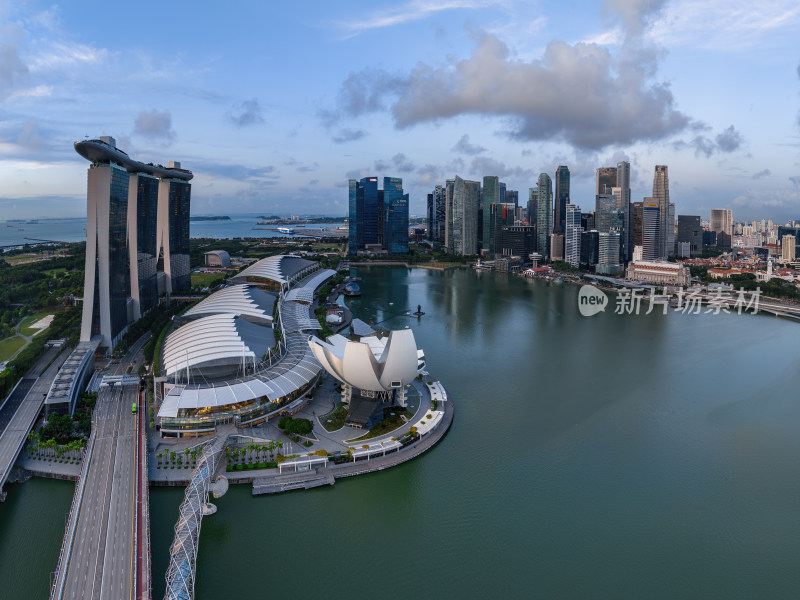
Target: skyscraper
(561,199)
(143,229)
(650,230)
(605,204)
(137,217)
(608,253)
(533,205)
(544,219)
(395,229)
(490,196)
(788,248)
(462,199)
(378,217)
(605,179)
(572,235)
(623,195)
(721,220)
(690,230)
(174,197)
(666,227)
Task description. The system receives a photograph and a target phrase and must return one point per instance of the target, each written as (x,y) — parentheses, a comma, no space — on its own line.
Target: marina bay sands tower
(137,238)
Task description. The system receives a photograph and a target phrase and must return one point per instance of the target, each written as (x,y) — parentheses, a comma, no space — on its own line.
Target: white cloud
(411,11)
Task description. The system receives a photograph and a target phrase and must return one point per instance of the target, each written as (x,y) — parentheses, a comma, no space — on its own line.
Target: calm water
(73,230)
(604,457)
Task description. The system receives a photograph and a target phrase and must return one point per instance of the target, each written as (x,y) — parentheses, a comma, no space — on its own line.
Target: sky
(275,105)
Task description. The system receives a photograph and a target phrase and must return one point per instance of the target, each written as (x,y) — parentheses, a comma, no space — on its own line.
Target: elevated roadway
(105,554)
(22,408)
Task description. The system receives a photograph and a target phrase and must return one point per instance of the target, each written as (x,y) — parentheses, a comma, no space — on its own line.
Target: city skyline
(266,129)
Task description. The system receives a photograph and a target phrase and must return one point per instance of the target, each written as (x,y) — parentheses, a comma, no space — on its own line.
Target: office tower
(544,218)
(137,216)
(556,246)
(721,220)
(512,197)
(501,190)
(395,229)
(462,199)
(636,224)
(590,241)
(624,184)
(788,248)
(430,218)
(617,223)
(490,195)
(363,215)
(605,179)
(650,230)
(690,230)
(605,204)
(533,205)
(572,235)
(666,228)
(174,196)
(608,253)
(561,198)
(517,240)
(439,213)
(143,241)
(502,215)
(587,221)
(378,218)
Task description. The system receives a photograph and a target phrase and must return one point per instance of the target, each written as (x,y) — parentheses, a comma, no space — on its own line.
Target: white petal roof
(242,300)
(358,363)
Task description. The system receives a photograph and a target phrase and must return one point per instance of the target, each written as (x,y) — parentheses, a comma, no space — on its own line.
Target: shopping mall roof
(217,339)
(297,368)
(281,269)
(242,300)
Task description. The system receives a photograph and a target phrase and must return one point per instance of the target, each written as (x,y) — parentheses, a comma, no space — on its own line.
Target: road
(102,560)
(102,555)
(17,424)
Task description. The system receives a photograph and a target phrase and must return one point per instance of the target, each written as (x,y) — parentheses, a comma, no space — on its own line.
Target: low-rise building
(663,273)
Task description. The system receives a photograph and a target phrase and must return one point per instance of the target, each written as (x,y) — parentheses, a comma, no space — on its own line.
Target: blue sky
(275,105)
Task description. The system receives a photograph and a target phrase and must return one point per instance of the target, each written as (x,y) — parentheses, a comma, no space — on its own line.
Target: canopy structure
(242,300)
(281,270)
(216,343)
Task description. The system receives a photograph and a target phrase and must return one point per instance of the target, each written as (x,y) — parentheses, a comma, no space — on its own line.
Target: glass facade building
(561,199)
(179,205)
(395,239)
(377,217)
(489,197)
(144,254)
(544,218)
(572,235)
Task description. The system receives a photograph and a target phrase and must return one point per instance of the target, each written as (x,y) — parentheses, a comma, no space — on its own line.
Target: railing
(183,551)
(72,522)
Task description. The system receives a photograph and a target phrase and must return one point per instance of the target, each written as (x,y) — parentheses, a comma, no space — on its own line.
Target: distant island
(276,220)
(218,218)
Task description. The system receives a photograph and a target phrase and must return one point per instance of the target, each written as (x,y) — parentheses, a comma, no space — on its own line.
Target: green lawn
(9,346)
(203,280)
(25,326)
(390,423)
(54,272)
(336,417)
